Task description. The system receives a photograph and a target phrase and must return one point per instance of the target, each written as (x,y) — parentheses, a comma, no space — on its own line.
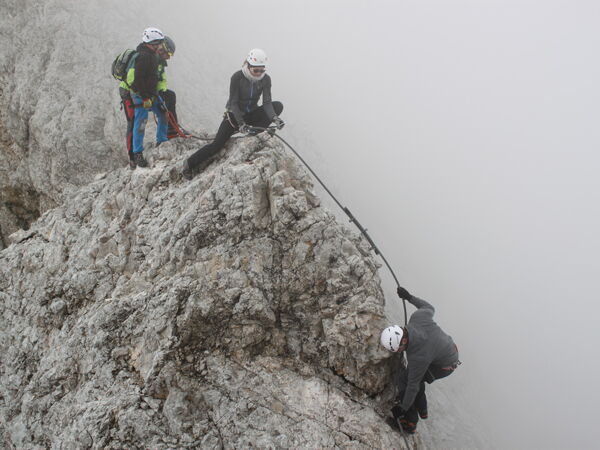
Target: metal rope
(271,131)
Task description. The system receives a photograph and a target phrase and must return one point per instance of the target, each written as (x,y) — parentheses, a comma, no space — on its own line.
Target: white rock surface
(60,122)
(155,312)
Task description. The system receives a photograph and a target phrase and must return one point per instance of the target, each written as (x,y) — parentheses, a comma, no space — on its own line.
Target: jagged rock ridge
(233,310)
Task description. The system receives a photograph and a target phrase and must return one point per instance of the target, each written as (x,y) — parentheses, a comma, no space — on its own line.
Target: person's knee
(140,114)
(278,107)
(141,126)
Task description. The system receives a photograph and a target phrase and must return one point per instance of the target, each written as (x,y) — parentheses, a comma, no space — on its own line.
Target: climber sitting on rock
(431,354)
(246,87)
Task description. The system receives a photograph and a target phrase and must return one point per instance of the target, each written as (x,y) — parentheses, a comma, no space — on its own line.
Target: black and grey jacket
(427,345)
(244,95)
(147,74)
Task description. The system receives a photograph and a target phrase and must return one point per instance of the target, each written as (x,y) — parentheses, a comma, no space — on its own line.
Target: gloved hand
(403,293)
(398,412)
(147,103)
(278,122)
(244,128)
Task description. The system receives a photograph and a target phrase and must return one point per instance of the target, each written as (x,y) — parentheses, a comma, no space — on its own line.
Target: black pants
(257,118)
(419,406)
(171,101)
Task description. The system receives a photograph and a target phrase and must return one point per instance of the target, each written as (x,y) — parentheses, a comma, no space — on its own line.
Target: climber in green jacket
(146,78)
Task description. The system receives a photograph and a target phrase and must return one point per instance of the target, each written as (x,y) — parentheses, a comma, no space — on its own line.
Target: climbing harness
(272,131)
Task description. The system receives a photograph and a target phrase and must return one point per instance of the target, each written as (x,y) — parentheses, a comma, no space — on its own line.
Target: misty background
(464,136)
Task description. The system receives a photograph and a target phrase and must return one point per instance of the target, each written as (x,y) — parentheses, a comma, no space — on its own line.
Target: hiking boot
(186,171)
(132,164)
(139,160)
(394,423)
(408,427)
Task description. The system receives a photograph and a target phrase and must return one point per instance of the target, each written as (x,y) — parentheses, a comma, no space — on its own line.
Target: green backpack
(122,63)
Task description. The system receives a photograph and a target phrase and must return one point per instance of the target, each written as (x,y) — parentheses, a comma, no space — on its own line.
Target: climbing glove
(398,412)
(278,122)
(147,103)
(403,293)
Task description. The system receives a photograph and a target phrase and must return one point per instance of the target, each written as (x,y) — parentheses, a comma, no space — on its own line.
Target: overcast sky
(464,135)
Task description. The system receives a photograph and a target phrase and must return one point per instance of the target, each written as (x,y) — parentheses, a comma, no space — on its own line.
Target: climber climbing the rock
(242,110)
(431,354)
(140,92)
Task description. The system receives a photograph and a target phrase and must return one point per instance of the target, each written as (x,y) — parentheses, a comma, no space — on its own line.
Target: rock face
(142,311)
(59,118)
(226,312)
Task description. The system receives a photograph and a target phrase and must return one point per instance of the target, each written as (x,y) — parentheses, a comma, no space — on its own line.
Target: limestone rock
(149,311)
(60,122)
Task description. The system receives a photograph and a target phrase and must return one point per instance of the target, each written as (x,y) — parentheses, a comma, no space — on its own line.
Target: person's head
(256,62)
(394,338)
(167,49)
(153,38)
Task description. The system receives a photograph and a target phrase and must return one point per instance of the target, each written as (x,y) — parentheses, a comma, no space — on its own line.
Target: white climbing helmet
(257,57)
(152,34)
(391,338)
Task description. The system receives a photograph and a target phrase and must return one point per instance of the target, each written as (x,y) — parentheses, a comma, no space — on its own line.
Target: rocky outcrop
(141,311)
(59,118)
(226,312)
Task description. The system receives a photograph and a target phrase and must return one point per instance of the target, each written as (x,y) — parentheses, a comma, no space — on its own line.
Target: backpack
(122,63)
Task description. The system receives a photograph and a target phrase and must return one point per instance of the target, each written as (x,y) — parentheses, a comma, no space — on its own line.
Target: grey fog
(463,135)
